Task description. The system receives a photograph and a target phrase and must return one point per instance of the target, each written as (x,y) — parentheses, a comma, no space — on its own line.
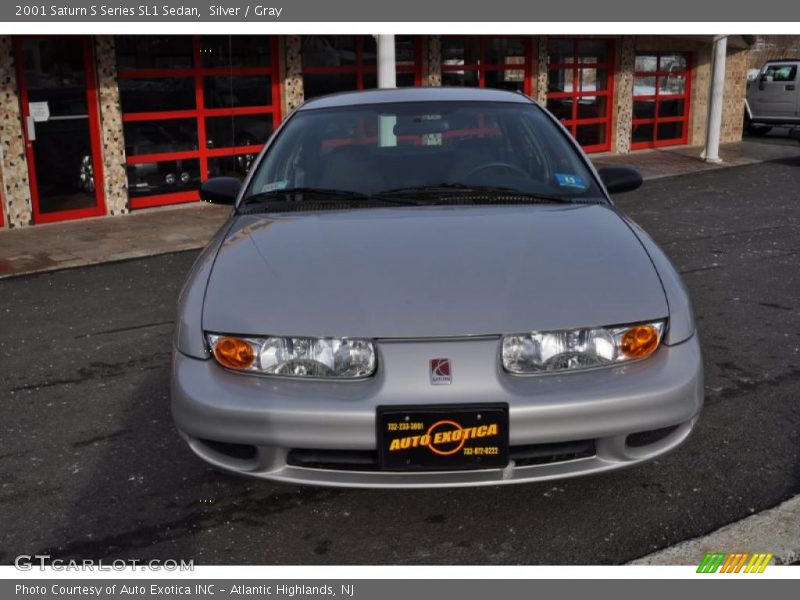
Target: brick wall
(772,47)
(736,66)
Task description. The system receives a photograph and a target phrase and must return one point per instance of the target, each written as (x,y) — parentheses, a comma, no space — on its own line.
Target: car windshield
(423,152)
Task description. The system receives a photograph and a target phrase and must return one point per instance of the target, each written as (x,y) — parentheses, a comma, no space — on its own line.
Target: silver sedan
(430,287)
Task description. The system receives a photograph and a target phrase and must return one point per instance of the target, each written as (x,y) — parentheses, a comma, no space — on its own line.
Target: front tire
(755,129)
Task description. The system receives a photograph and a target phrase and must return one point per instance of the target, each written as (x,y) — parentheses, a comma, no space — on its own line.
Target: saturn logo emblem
(441,371)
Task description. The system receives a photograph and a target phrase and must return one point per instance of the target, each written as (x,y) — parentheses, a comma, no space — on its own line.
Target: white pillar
(387,73)
(387,78)
(717,94)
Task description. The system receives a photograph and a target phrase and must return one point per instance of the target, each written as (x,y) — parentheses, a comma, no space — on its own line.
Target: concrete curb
(776,530)
(115,258)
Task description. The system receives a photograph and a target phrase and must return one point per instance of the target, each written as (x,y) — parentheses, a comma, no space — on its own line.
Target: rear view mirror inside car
(420,126)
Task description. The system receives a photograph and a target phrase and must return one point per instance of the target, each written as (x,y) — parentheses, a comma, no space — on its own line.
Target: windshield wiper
(492,192)
(299,195)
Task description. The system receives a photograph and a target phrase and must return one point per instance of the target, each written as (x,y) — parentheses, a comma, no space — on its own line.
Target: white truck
(773,98)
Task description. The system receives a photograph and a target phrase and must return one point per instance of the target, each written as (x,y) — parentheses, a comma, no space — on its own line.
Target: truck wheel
(759,130)
(755,129)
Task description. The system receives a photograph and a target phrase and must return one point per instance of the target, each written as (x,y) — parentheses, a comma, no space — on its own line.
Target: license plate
(447,437)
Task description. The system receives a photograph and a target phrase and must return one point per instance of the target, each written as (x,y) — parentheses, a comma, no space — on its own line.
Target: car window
(373,149)
(780,73)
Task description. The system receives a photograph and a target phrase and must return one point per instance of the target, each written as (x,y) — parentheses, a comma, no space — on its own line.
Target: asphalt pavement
(91,466)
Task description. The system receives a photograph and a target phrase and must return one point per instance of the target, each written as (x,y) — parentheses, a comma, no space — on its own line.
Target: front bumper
(276,417)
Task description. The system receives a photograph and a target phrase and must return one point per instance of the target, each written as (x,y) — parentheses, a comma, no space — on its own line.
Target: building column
(541,71)
(293,77)
(18,210)
(624,94)
(717,95)
(434,76)
(387,69)
(115,182)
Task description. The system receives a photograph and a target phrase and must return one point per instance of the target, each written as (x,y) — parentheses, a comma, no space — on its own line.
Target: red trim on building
(482,67)
(576,93)
(200,113)
(164,199)
(657,98)
(92,108)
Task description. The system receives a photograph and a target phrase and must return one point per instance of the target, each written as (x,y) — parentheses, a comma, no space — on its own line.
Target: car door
(776,93)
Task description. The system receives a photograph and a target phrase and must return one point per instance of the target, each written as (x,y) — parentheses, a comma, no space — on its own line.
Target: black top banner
(294,11)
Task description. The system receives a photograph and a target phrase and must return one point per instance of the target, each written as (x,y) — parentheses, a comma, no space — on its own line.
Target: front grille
(367,460)
(542,454)
(240,451)
(645,438)
(336,460)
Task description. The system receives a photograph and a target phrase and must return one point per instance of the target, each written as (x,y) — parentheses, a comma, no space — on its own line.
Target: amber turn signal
(639,341)
(234,353)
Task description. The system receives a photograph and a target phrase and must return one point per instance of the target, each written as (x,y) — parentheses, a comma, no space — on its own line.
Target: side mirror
(620,179)
(220,190)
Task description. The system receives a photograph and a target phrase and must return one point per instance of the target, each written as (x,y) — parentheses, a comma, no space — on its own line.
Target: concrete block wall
(16,193)
(111,134)
(623,105)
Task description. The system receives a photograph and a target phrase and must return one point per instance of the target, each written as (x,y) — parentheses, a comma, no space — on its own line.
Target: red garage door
(58,96)
(194,107)
(661,94)
(581,88)
(494,62)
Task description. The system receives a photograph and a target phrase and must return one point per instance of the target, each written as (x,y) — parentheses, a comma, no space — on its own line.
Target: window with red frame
(494,62)
(661,94)
(339,63)
(193,107)
(580,88)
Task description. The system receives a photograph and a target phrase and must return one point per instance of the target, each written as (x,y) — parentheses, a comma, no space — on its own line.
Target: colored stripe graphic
(734,563)
(741,562)
(727,566)
(711,562)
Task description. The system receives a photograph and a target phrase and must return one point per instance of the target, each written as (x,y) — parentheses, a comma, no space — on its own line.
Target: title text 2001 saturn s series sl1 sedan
(430,287)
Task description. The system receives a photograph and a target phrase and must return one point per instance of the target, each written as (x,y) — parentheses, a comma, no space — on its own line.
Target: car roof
(415,94)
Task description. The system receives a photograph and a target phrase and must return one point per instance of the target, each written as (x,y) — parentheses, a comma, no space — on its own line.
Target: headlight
(345,358)
(544,351)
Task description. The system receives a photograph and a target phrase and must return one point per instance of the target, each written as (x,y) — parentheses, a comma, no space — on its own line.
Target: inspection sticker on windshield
(568,180)
(274,185)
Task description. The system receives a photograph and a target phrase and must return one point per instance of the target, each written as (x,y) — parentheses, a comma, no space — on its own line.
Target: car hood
(431,272)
